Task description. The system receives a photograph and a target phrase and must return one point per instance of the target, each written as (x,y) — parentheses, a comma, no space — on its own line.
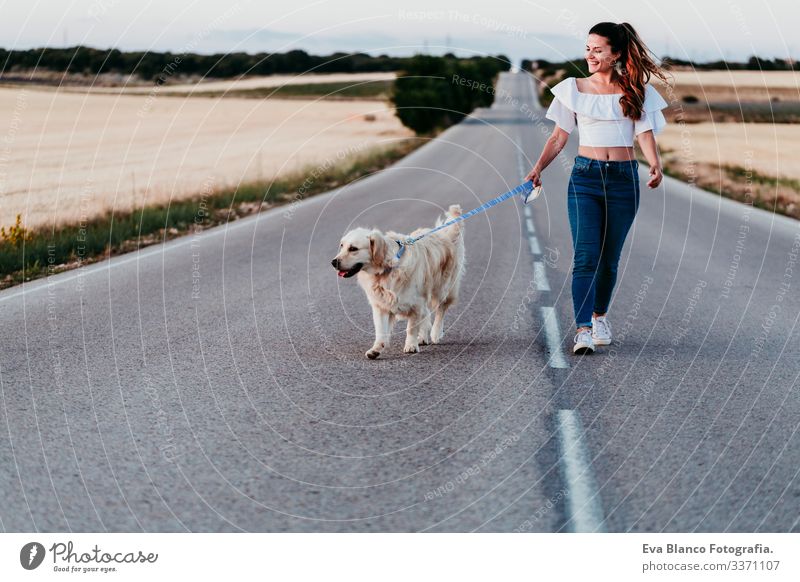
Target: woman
(610,107)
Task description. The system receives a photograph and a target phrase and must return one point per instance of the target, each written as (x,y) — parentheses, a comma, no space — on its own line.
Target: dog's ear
(377,249)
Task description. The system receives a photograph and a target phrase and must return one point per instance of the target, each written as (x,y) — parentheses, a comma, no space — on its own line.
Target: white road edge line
(553,336)
(583,509)
(529,224)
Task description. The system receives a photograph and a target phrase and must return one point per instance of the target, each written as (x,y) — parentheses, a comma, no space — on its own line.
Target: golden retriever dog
(419,287)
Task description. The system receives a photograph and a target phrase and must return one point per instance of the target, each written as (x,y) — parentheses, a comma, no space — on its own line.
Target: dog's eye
(352,249)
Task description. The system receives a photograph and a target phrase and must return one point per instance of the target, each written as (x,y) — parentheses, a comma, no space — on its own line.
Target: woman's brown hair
(636,64)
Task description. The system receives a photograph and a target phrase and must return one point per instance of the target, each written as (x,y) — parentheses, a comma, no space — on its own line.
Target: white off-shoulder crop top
(599,118)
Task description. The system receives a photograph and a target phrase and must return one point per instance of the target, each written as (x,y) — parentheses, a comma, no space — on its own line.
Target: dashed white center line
(584,511)
(552,332)
(553,338)
(534,243)
(540,276)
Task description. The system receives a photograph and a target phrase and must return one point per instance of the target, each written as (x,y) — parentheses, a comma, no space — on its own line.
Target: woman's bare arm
(647,141)
(555,143)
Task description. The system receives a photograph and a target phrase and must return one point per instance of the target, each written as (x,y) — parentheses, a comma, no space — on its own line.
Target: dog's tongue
(342,273)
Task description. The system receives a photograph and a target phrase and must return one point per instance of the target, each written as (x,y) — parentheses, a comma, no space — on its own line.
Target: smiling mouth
(352,271)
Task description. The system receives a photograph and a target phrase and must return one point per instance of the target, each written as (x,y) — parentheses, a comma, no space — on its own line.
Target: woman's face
(599,55)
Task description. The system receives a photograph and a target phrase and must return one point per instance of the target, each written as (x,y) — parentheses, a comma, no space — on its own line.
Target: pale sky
(700,30)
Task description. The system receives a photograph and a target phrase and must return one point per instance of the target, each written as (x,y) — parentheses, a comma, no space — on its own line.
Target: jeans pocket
(581,167)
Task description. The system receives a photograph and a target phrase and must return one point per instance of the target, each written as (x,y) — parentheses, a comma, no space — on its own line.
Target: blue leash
(524,189)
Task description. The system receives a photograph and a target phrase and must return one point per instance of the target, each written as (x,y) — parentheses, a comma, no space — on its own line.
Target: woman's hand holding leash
(535,176)
(655,176)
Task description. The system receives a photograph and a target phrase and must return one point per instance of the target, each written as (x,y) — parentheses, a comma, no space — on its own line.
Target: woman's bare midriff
(608,154)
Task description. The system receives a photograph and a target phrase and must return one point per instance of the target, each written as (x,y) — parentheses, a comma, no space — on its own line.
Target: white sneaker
(601,331)
(583,342)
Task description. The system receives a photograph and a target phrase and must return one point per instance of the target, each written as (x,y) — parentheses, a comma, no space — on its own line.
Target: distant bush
(689,99)
(436,92)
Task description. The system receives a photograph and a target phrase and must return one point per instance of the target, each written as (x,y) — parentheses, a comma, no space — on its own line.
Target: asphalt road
(218,382)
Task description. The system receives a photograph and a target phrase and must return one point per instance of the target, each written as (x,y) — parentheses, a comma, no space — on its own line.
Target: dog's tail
(455,230)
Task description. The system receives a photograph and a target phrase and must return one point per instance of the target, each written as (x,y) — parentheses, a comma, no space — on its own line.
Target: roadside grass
(344,90)
(27,254)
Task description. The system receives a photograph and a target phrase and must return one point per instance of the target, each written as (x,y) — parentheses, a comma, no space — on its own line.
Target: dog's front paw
(423,340)
(411,348)
(375,350)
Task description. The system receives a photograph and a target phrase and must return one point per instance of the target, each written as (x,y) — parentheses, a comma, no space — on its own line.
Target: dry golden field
(116,83)
(769,149)
(249,83)
(749,162)
(740,79)
(740,136)
(68,156)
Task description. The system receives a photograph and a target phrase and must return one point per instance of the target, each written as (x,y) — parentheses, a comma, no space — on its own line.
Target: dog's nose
(335,263)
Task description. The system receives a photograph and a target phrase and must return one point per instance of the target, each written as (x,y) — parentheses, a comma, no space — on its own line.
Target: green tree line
(150,65)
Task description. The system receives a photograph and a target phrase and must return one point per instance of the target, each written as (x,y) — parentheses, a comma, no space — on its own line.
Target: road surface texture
(218,382)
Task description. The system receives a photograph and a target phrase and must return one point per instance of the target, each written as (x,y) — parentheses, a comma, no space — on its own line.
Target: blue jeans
(602,202)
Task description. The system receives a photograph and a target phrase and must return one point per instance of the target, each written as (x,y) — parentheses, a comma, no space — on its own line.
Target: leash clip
(403,244)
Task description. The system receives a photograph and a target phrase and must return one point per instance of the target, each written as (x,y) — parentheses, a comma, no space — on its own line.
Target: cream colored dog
(419,286)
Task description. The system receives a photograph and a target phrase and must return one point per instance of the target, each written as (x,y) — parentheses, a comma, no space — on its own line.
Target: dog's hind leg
(438,321)
(383,331)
